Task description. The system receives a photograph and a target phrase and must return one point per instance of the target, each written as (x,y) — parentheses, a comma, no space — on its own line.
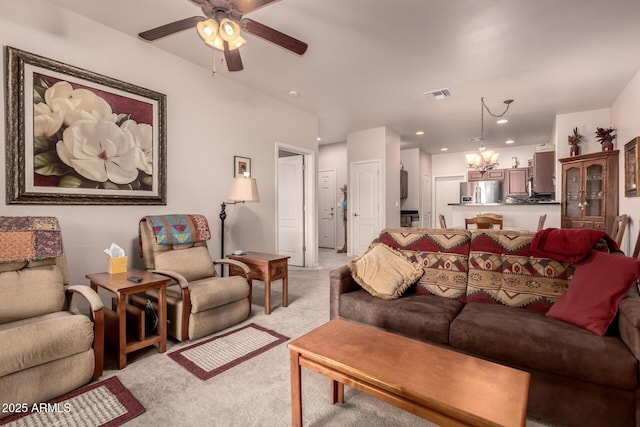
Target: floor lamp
(243,189)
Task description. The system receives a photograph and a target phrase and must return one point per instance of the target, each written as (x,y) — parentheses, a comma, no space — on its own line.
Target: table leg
(267,295)
(285,288)
(162,321)
(296,389)
(122,331)
(337,392)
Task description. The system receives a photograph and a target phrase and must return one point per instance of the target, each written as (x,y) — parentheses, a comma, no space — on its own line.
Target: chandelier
(485,159)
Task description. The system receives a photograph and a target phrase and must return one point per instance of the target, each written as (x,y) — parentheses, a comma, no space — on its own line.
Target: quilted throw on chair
(27,238)
(177,229)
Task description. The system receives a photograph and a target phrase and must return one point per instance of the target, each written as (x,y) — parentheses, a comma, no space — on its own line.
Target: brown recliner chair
(47,348)
(199,302)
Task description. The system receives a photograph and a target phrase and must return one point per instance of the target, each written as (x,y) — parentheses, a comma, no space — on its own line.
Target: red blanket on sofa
(569,244)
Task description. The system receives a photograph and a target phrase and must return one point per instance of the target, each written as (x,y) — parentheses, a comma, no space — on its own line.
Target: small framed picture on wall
(241,166)
(631,157)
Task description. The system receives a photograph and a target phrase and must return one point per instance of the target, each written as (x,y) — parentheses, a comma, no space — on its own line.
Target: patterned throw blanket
(27,238)
(177,229)
(570,244)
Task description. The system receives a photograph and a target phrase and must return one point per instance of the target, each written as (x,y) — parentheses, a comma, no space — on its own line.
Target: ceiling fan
(220,28)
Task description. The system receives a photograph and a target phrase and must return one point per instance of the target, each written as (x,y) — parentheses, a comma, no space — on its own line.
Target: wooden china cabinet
(590,190)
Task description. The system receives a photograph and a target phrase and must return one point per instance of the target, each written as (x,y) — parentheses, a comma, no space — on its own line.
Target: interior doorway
(296,216)
(327,208)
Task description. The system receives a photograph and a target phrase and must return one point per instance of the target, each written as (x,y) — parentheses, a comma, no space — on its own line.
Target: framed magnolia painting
(77,137)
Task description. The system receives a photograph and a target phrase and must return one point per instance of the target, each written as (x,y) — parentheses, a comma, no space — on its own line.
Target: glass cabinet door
(572,192)
(593,200)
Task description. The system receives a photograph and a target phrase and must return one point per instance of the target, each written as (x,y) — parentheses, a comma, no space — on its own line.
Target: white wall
(625,114)
(209,120)
(392,178)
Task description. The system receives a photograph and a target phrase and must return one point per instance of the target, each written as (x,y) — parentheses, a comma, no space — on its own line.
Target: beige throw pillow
(384,272)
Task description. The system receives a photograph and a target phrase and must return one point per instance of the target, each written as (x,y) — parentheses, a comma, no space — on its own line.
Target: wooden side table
(265,268)
(122,288)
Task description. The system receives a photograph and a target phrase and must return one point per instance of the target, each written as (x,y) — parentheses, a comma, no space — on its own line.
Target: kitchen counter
(516,216)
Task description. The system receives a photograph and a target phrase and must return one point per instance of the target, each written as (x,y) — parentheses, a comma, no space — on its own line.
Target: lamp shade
(244,190)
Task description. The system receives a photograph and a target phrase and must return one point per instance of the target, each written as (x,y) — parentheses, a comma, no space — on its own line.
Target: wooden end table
(437,384)
(122,288)
(265,268)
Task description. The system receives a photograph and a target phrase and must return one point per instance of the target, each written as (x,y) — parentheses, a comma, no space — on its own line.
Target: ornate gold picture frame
(77,137)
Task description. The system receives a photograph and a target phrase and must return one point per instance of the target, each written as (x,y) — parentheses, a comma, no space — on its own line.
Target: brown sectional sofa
(485,294)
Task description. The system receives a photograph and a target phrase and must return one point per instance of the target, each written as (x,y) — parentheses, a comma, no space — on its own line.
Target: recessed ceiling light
(319,139)
(502,121)
(509,141)
(420,132)
(444,149)
(294,93)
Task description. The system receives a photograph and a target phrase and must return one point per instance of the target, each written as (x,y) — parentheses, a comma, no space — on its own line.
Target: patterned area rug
(211,357)
(105,403)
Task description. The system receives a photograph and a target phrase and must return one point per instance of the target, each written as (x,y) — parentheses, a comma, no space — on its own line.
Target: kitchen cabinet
(490,175)
(516,181)
(544,172)
(590,190)
(404,184)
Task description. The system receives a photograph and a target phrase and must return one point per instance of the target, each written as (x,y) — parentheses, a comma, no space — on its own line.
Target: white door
(365,204)
(447,191)
(425,201)
(327,209)
(291,208)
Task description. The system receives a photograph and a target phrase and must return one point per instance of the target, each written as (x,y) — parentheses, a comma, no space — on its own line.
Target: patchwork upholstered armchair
(199,302)
(47,349)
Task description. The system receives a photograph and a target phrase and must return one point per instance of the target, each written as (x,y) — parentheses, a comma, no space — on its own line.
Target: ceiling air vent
(439,94)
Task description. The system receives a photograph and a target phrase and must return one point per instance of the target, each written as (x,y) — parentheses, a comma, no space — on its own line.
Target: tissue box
(117,265)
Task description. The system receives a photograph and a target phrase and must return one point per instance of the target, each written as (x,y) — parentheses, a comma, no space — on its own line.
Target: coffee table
(437,384)
(265,268)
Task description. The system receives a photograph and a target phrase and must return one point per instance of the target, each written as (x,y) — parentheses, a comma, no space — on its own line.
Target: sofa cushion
(193,263)
(216,291)
(32,342)
(598,285)
(532,340)
(31,292)
(503,270)
(424,317)
(384,272)
(443,254)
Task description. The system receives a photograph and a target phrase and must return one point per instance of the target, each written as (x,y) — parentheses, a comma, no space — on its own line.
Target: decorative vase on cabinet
(590,190)
(574,150)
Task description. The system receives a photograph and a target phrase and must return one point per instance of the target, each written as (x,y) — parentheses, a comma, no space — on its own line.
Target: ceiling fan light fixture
(208,30)
(229,30)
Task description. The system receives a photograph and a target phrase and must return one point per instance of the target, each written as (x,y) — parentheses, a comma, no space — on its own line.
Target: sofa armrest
(97,314)
(340,282)
(182,281)
(244,267)
(629,321)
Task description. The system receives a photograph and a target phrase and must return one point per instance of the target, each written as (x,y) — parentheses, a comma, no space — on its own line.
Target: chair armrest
(97,314)
(340,282)
(88,294)
(182,281)
(629,322)
(245,268)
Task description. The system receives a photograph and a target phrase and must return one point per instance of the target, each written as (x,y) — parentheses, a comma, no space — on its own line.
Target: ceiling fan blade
(173,27)
(232,57)
(274,36)
(246,6)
